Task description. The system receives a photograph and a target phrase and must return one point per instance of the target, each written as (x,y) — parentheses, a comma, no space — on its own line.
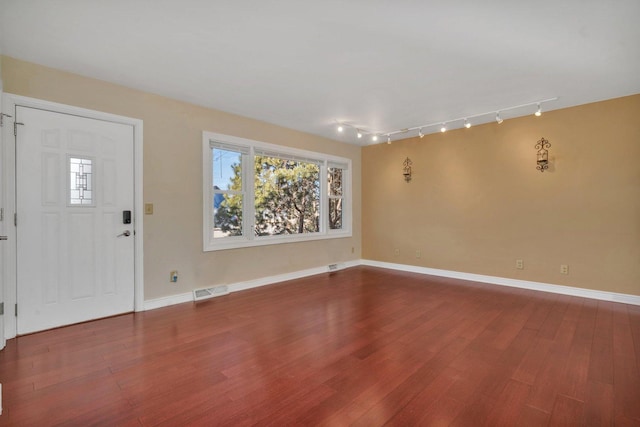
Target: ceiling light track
(466,120)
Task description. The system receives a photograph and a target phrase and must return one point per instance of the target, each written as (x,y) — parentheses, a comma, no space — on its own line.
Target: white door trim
(2,232)
(10,101)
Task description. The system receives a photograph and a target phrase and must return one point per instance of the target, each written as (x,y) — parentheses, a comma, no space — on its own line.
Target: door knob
(3,237)
(125,233)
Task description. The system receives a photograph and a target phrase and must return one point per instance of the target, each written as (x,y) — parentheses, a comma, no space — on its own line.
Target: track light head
(388,140)
(538,111)
(466,121)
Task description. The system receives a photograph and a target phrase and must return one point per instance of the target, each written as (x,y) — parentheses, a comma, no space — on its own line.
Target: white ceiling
(379,65)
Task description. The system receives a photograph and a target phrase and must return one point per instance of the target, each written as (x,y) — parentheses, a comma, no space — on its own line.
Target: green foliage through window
(255,194)
(335,197)
(287,196)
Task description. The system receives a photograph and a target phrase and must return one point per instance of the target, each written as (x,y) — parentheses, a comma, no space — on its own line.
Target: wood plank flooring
(363,347)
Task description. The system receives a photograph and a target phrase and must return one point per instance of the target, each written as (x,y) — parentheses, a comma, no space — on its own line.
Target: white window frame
(248,238)
(345,170)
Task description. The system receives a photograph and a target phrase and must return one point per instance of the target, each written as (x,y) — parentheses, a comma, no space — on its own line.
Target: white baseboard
(152,304)
(249,284)
(241,286)
(494,280)
(515,283)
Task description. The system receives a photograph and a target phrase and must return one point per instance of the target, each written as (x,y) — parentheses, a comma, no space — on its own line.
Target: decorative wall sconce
(407,169)
(543,154)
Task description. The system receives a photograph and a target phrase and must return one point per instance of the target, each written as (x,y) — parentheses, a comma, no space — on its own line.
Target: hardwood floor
(362,347)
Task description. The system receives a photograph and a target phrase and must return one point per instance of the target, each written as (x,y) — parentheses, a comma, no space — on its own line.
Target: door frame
(8,189)
(2,231)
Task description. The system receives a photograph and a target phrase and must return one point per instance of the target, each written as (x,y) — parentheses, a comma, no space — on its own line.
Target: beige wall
(477,203)
(173,180)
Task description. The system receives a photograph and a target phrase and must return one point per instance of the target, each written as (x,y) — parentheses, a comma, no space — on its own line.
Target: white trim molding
(514,283)
(167,301)
(247,150)
(493,280)
(250,284)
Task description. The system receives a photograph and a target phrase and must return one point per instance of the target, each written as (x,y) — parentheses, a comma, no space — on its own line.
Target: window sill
(236,242)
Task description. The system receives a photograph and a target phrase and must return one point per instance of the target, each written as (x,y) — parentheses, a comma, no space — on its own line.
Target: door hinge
(15,128)
(16,310)
(1,214)
(1,308)
(2,116)
(15,219)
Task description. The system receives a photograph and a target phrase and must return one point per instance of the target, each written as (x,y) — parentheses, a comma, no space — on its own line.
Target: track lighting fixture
(453,123)
(343,127)
(388,140)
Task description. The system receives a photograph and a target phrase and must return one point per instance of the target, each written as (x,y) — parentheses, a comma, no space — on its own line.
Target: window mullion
(249,194)
(324,198)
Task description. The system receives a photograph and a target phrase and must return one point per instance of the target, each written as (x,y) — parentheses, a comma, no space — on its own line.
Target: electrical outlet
(173,277)
(564,269)
(520,264)
(396,252)
(418,253)
(353,249)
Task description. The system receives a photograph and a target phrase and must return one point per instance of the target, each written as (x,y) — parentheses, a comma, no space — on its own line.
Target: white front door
(75,251)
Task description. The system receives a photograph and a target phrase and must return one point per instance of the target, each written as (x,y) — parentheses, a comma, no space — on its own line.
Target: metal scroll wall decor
(543,154)
(407,169)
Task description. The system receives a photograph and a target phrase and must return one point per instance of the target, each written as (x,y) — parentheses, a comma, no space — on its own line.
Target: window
(257,193)
(335,180)
(227,191)
(80,181)
(286,195)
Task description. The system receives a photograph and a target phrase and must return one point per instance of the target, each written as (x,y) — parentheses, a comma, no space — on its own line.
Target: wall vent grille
(206,293)
(334,267)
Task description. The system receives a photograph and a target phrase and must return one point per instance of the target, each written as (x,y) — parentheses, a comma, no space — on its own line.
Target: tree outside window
(258,193)
(335,179)
(287,196)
